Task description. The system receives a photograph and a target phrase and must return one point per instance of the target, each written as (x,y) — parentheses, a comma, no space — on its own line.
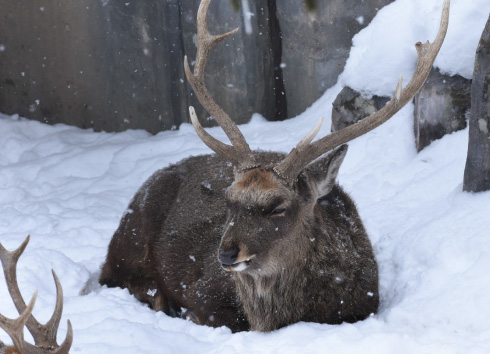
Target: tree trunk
(477,171)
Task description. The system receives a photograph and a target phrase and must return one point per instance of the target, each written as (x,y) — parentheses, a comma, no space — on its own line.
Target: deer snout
(229,256)
(234,258)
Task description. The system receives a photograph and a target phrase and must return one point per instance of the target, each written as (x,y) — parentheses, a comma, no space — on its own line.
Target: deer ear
(323,172)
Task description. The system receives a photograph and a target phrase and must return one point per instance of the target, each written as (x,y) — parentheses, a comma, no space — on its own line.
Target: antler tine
(15,328)
(9,263)
(206,41)
(214,144)
(64,348)
(44,335)
(301,156)
(50,329)
(240,155)
(310,136)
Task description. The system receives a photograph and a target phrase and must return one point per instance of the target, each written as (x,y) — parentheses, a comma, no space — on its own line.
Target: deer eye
(278,211)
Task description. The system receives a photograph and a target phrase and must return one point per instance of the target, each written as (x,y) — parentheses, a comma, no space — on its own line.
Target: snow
(389,42)
(69,187)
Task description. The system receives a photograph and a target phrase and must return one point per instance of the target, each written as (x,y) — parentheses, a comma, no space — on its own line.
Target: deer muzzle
(234,259)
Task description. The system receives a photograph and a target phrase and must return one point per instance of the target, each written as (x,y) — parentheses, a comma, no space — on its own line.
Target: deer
(254,240)
(44,335)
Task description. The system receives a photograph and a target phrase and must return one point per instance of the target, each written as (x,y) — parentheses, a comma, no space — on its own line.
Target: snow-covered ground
(68,188)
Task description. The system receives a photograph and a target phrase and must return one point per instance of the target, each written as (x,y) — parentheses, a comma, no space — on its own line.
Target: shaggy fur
(300,253)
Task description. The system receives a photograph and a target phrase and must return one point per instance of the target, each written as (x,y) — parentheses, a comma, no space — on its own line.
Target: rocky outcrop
(350,107)
(477,170)
(441,106)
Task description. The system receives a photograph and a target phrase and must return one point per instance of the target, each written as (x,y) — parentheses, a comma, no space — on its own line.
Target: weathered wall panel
(114,65)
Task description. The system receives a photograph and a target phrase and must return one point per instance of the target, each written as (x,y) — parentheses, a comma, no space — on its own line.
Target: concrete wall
(316,44)
(114,65)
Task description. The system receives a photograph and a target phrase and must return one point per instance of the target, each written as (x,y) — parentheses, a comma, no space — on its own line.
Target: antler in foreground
(304,152)
(44,335)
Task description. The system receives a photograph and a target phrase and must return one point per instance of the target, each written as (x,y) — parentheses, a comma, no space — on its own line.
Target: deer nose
(228,257)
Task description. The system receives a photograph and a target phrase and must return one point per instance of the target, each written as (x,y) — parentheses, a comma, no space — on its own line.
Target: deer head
(265,199)
(44,335)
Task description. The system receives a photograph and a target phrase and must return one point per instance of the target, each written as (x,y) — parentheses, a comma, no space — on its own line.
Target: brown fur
(304,253)
(9,350)
(257,179)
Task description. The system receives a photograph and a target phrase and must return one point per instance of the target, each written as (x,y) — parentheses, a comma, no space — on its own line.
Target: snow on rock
(385,49)
(68,188)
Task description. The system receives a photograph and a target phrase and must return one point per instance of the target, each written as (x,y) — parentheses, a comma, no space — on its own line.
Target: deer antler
(301,156)
(239,154)
(305,152)
(44,335)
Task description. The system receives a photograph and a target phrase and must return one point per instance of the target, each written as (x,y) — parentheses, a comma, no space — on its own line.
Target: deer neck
(273,301)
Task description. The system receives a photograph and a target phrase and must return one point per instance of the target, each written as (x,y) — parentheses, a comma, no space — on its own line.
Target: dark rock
(441,107)
(477,170)
(350,107)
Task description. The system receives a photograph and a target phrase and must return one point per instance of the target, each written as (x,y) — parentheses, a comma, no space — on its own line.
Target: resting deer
(44,335)
(253,240)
